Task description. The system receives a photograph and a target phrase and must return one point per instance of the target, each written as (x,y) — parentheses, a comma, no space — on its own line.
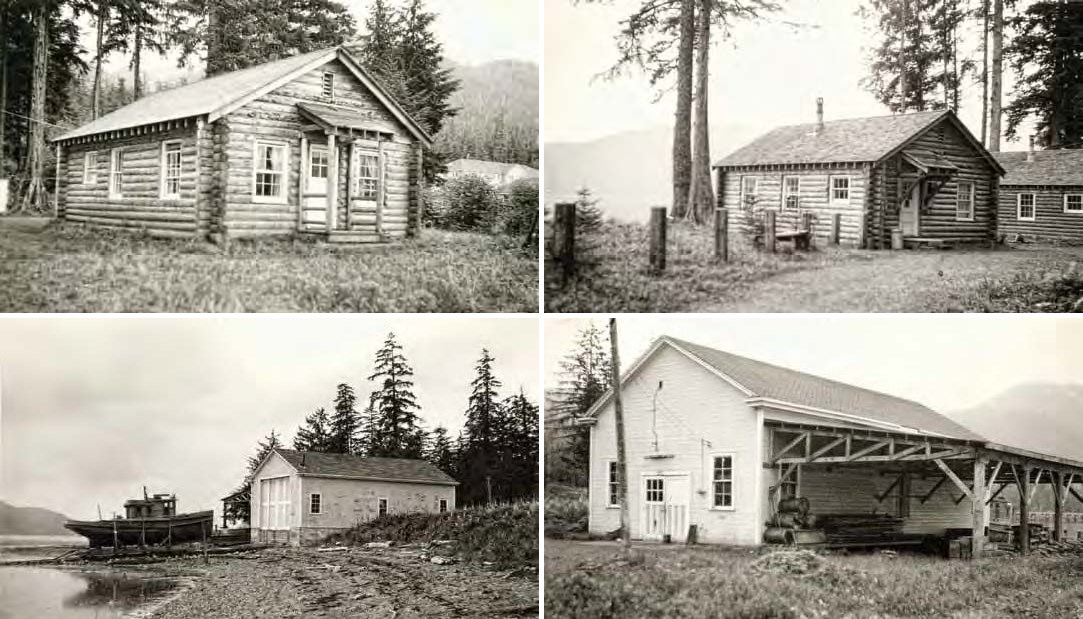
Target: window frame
(831,199)
(90,167)
(317,499)
(383,507)
(442,506)
(355,176)
(116,173)
(612,477)
(732,482)
(973,194)
(786,194)
(284,184)
(163,169)
(745,204)
(1074,210)
(327,86)
(1019,206)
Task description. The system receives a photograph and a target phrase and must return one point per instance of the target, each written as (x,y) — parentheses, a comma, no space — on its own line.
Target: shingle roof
(851,140)
(1050,167)
(348,465)
(480,166)
(771,381)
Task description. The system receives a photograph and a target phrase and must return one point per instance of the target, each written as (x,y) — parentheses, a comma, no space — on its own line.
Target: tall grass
(1055,289)
(566,511)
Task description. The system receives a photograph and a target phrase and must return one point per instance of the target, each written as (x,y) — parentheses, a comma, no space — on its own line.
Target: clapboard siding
(1050,220)
(813,198)
(940,511)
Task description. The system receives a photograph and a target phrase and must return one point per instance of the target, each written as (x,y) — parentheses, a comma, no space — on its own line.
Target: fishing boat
(149,521)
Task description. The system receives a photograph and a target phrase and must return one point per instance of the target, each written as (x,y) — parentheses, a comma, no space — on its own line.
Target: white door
(665,507)
(654,507)
(315,200)
(366,191)
(678,495)
(909,212)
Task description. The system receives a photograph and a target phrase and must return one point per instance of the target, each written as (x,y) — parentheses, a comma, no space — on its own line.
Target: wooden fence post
(769,231)
(836,228)
(564,239)
(806,225)
(721,235)
(658,239)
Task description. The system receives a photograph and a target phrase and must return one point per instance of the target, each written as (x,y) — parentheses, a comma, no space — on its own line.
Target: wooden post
(56,181)
(564,239)
(380,193)
(721,238)
(979,488)
(769,231)
(806,225)
(622,462)
(350,161)
(301,183)
(1058,506)
(116,538)
(203,528)
(836,228)
(658,239)
(1024,511)
(419,191)
(332,183)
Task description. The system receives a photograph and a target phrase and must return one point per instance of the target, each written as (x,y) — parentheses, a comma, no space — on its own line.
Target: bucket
(3,195)
(896,238)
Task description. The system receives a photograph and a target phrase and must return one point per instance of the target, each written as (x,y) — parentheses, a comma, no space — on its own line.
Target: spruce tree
(396,429)
(242,511)
(584,378)
(522,438)
(263,449)
(588,217)
(344,421)
(315,435)
(440,451)
(482,448)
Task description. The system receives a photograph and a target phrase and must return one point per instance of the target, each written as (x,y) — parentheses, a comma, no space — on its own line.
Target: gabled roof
(350,466)
(216,96)
(759,380)
(853,140)
(1050,167)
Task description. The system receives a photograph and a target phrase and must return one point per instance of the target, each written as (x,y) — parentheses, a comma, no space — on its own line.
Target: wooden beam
(332,183)
(993,478)
(1075,493)
(1024,510)
(866,451)
(1034,488)
(977,536)
(1058,508)
(880,497)
(932,491)
(954,478)
(301,184)
(790,446)
(942,455)
(826,448)
(909,450)
(997,493)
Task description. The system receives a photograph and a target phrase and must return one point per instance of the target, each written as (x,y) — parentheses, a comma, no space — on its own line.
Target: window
(1025,207)
(90,167)
(613,485)
(749,184)
(791,192)
(314,501)
(1073,203)
(171,169)
(722,482)
(443,506)
(274,503)
(656,491)
(382,508)
(964,202)
(367,175)
(318,163)
(328,85)
(269,173)
(116,173)
(840,189)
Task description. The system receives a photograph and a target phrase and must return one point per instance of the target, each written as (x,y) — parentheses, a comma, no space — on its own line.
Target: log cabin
(1041,196)
(716,444)
(853,181)
(310,144)
(301,497)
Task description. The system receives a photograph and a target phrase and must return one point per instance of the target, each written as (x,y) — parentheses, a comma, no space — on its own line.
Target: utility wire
(34,120)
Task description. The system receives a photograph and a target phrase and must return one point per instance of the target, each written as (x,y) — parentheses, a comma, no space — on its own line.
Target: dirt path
(396,582)
(912,281)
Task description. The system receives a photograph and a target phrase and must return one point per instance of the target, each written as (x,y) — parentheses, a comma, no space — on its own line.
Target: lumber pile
(849,528)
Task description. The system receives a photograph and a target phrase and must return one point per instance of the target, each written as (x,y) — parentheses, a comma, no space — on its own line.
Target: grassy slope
(566,511)
(69,268)
(590,581)
(505,534)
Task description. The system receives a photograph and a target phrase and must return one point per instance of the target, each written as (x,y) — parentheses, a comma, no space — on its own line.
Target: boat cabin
(157,506)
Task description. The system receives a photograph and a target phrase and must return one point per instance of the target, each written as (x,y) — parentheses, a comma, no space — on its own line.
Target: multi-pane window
(722,481)
(656,492)
(1073,203)
(314,506)
(443,506)
(613,484)
(1025,207)
(270,171)
(791,192)
(367,175)
(964,202)
(116,173)
(840,188)
(318,163)
(171,169)
(382,508)
(328,85)
(90,167)
(749,185)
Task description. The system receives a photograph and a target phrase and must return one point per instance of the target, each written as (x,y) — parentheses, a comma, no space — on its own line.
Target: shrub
(470,203)
(566,511)
(519,213)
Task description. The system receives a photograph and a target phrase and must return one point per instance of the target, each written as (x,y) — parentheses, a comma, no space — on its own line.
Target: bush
(519,213)
(566,511)
(470,204)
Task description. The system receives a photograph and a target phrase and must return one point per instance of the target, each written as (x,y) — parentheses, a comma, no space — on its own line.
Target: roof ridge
(852,118)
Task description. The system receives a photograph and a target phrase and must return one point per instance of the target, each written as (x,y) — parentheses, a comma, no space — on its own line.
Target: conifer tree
(441,451)
(242,510)
(396,429)
(481,434)
(588,217)
(584,378)
(344,421)
(522,437)
(315,435)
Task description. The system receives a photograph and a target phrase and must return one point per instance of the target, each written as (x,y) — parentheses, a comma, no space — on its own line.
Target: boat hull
(145,531)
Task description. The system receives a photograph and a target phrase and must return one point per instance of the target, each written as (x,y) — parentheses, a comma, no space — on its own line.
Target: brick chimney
(1030,150)
(819,116)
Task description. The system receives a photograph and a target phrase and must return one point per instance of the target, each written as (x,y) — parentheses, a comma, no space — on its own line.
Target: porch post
(977,536)
(1058,506)
(350,183)
(301,183)
(332,182)
(1024,510)
(56,181)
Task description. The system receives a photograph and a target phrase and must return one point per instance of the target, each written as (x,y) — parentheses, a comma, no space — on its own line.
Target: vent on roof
(329,85)
(819,116)
(1030,150)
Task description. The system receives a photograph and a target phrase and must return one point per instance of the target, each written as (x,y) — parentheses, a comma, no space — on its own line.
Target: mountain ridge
(31,521)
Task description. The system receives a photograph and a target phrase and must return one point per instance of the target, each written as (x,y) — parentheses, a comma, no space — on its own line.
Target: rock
(378,545)
(442,560)
(442,542)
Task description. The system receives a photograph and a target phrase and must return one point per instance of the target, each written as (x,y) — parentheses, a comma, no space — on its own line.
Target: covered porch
(922,175)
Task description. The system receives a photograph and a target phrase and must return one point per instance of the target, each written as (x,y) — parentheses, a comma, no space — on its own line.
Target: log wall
(1050,223)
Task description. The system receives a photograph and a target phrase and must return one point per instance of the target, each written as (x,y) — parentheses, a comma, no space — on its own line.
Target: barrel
(793,505)
(788,520)
(778,535)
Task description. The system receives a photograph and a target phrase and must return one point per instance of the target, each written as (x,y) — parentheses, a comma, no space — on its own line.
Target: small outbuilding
(854,181)
(300,497)
(1041,196)
(310,144)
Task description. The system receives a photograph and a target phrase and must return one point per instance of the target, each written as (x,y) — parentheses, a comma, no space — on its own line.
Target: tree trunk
(137,61)
(985,72)
(96,95)
(622,462)
(902,58)
(700,195)
(682,130)
(213,47)
(3,84)
(34,197)
(996,80)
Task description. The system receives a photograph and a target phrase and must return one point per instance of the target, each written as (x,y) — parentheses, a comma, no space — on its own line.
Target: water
(30,547)
(47,593)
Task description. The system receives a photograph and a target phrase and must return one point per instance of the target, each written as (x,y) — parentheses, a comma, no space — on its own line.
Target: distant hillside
(628,172)
(30,521)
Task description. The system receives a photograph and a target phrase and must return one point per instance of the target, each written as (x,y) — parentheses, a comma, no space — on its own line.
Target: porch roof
(926,161)
(333,118)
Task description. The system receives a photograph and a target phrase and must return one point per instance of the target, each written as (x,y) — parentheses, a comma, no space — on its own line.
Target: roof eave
(385,97)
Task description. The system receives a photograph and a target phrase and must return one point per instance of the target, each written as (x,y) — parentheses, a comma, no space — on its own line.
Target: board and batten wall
(695,405)
(275,466)
(813,197)
(1051,222)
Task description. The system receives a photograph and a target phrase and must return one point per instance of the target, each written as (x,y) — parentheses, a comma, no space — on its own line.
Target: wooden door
(367,190)
(910,212)
(654,508)
(678,495)
(315,198)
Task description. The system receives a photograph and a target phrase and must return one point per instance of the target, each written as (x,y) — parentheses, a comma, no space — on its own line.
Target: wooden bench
(801,238)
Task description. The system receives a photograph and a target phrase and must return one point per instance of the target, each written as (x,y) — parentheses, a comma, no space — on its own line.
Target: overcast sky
(94,407)
(948,362)
(766,75)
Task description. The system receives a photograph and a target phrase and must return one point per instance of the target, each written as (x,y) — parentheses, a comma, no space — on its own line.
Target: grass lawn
(614,278)
(592,580)
(70,268)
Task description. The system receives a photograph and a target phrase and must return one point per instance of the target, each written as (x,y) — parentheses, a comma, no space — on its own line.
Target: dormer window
(329,85)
